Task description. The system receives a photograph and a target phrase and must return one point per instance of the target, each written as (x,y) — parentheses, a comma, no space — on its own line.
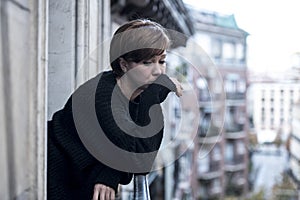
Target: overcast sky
(273,25)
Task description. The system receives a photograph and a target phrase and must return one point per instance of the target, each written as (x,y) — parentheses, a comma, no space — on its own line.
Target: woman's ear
(123,64)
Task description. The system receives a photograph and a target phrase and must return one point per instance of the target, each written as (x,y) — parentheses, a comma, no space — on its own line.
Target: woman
(122,100)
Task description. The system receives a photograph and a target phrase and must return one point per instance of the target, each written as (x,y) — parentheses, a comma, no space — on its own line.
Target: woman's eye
(147,62)
(162,62)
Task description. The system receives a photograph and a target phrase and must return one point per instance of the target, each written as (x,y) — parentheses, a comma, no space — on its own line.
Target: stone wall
(23,60)
(44,46)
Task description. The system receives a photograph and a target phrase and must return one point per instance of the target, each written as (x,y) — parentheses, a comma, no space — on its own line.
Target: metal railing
(141,188)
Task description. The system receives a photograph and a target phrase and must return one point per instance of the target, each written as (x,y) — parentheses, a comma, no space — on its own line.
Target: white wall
(23,58)
(77,30)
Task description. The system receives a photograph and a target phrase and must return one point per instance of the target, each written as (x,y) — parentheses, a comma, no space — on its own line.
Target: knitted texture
(72,170)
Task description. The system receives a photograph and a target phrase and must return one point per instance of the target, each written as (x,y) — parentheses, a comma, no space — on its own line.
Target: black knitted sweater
(72,170)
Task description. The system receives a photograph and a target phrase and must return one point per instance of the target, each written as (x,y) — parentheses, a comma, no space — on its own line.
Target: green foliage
(284,189)
(260,195)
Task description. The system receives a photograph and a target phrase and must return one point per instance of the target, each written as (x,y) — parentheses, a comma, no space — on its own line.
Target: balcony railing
(232,128)
(141,188)
(206,131)
(235,135)
(208,192)
(235,95)
(213,172)
(236,164)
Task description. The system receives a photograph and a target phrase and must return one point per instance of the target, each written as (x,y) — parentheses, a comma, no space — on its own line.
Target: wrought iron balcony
(141,188)
(236,164)
(235,95)
(214,171)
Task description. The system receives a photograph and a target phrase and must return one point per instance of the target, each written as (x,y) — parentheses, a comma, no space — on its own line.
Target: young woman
(126,102)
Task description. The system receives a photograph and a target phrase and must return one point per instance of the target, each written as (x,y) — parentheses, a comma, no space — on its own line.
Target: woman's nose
(157,70)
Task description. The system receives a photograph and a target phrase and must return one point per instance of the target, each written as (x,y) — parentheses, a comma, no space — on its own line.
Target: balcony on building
(235,96)
(235,164)
(209,162)
(235,87)
(295,146)
(170,14)
(295,168)
(235,183)
(234,123)
(214,171)
(235,152)
(204,96)
(236,131)
(210,189)
(208,132)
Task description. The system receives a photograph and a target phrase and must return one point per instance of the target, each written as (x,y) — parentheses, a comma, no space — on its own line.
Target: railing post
(141,188)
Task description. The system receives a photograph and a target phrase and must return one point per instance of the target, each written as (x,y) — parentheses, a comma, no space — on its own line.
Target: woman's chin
(144,87)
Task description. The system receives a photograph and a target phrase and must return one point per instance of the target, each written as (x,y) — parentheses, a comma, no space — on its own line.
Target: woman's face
(146,71)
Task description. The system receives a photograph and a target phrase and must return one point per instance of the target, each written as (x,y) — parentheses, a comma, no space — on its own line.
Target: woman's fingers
(112,194)
(179,88)
(103,192)
(96,192)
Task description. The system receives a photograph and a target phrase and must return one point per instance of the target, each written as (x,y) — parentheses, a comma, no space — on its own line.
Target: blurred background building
(220,157)
(274,101)
(272,109)
(50,47)
(293,143)
(294,147)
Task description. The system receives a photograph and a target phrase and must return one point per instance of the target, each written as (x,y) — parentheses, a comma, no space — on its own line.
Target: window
(203,161)
(240,52)
(281,120)
(217,153)
(241,86)
(216,185)
(272,121)
(232,83)
(240,148)
(272,93)
(228,51)
(229,152)
(217,49)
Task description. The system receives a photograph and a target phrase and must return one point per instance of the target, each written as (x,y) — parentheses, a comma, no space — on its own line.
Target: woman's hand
(103,192)
(179,88)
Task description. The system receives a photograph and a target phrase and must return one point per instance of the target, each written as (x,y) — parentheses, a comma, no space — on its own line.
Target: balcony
(170,14)
(214,171)
(236,164)
(204,96)
(235,135)
(235,96)
(210,139)
(234,130)
(234,127)
(206,131)
(209,191)
(235,188)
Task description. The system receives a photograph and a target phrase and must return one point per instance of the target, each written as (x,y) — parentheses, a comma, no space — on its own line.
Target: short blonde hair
(136,41)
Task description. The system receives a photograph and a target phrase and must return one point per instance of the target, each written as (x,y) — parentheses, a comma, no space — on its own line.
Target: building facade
(294,137)
(215,58)
(294,147)
(272,109)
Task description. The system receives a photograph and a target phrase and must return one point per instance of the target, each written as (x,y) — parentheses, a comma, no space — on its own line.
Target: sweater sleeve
(156,93)
(122,119)
(111,177)
(61,130)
